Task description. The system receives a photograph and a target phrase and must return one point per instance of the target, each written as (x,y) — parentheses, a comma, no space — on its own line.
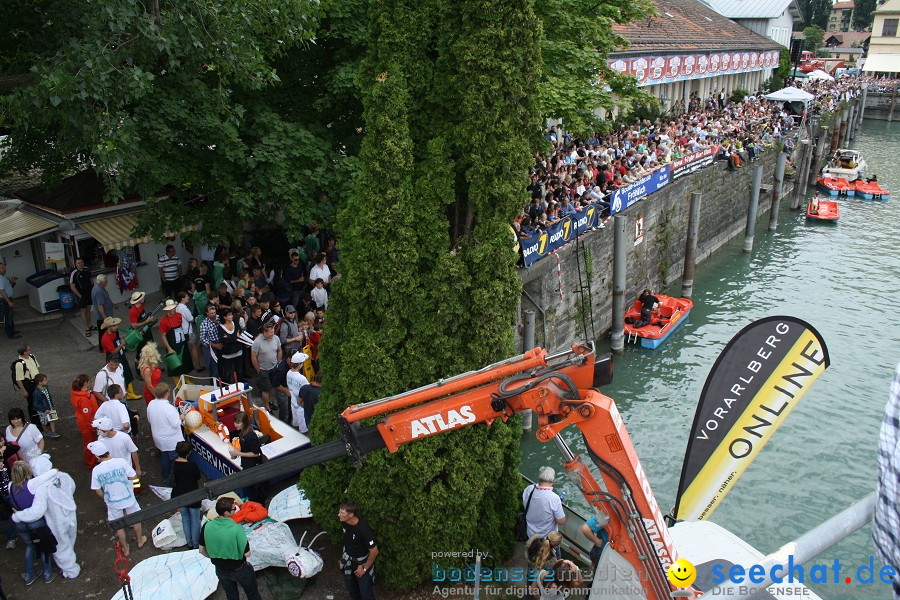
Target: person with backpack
(111,373)
(23,371)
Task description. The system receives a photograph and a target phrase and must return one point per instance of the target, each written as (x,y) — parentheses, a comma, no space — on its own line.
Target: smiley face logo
(682,573)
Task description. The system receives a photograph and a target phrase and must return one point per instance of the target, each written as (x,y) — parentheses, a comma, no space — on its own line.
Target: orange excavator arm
(561,391)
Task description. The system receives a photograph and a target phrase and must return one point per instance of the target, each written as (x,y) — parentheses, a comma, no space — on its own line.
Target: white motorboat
(846,164)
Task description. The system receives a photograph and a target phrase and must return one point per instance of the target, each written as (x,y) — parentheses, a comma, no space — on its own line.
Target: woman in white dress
(25,434)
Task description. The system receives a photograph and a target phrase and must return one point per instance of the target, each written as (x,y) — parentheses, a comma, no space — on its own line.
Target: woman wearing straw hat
(111,342)
(174,340)
(139,318)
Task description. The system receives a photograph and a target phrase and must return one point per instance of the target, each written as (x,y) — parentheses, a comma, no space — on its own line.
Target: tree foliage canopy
(863,14)
(814,38)
(165,95)
(816,12)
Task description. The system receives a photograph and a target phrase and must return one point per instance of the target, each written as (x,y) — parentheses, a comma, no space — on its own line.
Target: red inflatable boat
(671,313)
(823,210)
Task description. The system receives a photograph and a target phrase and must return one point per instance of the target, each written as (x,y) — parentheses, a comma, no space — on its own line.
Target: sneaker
(51,578)
(53,435)
(11,544)
(30,581)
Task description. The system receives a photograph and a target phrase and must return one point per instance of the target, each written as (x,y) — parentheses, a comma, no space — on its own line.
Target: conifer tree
(444,164)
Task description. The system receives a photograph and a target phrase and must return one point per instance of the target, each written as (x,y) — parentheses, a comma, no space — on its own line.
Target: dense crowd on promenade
(576,172)
(232,315)
(882,85)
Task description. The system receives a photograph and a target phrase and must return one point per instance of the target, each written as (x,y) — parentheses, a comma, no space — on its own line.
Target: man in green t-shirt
(224,542)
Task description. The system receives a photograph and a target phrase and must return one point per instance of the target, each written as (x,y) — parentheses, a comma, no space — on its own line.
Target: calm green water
(843,279)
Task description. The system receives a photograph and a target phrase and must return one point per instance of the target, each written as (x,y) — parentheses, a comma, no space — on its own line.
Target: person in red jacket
(85,407)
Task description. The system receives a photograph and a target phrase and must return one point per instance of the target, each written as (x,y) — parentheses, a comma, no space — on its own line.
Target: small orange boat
(870,190)
(835,186)
(822,210)
(670,313)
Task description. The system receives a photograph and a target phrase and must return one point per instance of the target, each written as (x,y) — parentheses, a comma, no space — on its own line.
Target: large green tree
(165,95)
(863,14)
(816,12)
(449,109)
(814,38)
(576,79)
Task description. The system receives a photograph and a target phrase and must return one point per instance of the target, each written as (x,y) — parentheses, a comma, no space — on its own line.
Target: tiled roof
(690,25)
(846,39)
(843,5)
(80,192)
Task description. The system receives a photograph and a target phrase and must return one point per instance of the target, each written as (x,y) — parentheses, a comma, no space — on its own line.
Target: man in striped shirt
(209,340)
(169,266)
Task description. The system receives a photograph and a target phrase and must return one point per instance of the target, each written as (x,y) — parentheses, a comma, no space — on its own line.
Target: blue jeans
(212,365)
(31,549)
(7,311)
(166,458)
(190,519)
(360,588)
(284,406)
(243,576)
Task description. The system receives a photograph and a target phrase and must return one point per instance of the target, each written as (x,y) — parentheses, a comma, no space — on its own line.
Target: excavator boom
(560,390)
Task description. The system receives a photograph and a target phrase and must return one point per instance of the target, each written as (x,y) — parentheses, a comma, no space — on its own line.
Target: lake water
(841,278)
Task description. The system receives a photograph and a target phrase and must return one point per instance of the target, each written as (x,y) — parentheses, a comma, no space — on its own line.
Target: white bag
(171,533)
(271,543)
(305,563)
(163,533)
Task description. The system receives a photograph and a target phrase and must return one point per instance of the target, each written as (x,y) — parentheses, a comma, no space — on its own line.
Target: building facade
(884,46)
(841,16)
(689,49)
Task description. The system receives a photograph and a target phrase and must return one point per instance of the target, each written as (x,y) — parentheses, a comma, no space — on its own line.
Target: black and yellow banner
(755,383)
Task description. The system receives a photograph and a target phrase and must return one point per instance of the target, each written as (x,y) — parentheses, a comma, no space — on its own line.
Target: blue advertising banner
(560,233)
(624,197)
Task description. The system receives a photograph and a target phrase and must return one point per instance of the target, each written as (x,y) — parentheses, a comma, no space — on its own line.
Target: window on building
(890,28)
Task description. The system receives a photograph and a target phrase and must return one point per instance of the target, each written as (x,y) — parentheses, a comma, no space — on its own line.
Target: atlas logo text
(442,422)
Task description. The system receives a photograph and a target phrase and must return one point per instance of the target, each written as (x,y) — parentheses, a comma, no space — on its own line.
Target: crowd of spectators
(577,172)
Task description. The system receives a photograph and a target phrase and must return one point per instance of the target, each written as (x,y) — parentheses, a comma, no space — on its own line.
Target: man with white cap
(295,381)
(111,479)
(54,500)
(115,410)
(120,445)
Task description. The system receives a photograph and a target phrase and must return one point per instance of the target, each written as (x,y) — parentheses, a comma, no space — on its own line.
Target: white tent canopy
(791,94)
(820,74)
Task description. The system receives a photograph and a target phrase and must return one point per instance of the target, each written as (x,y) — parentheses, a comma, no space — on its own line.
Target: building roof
(689,25)
(754,9)
(848,5)
(846,39)
(81,192)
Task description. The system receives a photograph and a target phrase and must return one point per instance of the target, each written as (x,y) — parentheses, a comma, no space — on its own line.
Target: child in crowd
(43,404)
(112,480)
(114,409)
(319,294)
